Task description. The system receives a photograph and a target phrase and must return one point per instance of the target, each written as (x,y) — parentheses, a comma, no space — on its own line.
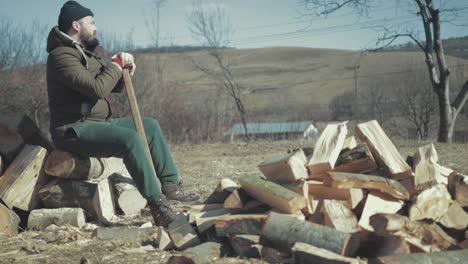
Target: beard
(91,42)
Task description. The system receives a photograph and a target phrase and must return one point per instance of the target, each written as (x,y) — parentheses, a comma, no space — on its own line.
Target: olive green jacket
(77,82)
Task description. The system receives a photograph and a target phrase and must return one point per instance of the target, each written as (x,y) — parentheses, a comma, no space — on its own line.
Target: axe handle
(137,117)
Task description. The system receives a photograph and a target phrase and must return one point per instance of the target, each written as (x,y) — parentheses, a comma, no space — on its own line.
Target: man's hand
(124,60)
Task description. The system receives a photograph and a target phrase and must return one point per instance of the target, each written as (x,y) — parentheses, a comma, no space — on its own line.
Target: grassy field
(201,166)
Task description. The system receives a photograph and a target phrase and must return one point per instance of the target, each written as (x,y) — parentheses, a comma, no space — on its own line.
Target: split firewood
(182,234)
(345,180)
(68,166)
(9,221)
(317,190)
(198,208)
(327,149)
(452,257)
(383,150)
(39,219)
(338,216)
(282,231)
(94,196)
(207,219)
(458,188)
(124,232)
(163,240)
(426,171)
(375,245)
(246,246)
(201,254)
(236,224)
(273,194)
(127,197)
(23,177)
(455,217)
(429,237)
(237,199)
(289,168)
(16,131)
(356,160)
(432,203)
(378,203)
(408,183)
(302,188)
(274,255)
(306,253)
(349,143)
(222,191)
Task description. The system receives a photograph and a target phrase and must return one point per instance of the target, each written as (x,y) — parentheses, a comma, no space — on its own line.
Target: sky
(255,23)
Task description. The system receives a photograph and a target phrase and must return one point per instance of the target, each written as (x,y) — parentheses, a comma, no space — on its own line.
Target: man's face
(87,32)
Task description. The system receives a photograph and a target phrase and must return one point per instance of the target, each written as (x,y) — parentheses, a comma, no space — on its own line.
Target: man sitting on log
(78,81)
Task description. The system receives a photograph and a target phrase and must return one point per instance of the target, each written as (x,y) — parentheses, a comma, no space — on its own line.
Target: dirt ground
(201,166)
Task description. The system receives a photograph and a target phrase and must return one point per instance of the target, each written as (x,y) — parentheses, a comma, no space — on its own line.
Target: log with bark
(273,194)
(327,149)
(352,180)
(383,150)
(356,160)
(23,177)
(305,253)
(283,231)
(250,224)
(127,197)
(444,257)
(284,169)
(9,221)
(204,253)
(124,232)
(94,196)
(428,237)
(375,245)
(39,219)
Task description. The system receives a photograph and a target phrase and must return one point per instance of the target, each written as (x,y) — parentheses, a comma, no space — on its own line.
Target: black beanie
(71,11)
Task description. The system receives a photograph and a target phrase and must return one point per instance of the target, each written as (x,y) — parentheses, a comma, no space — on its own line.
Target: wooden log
(68,166)
(273,194)
(349,143)
(246,246)
(408,183)
(9,221)
(274,255)
(250,224)
(378,203)
(305,253)
(302,188)
(432,203)
(127,197)
(383,150)
(352,180)
(16,131)
(182,234)
(318,190)
(205,253)
(123,232)
(39,219)
(455,217)
(23,177)
(94,196)
(285,169)
(207,219)
(237,199)
(328,148)
(163,240)
(458,188)
(356,160)
(429,237)
(222,191)
(444,257)
(198,208)
(375,245)
(282,231)
(338,216)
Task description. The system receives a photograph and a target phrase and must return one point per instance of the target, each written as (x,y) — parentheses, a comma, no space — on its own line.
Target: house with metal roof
(279,130)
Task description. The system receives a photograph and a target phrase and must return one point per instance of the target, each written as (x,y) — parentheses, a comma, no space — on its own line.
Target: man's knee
(151,123)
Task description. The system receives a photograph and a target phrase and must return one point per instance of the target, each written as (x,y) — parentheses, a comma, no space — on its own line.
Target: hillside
(456,47)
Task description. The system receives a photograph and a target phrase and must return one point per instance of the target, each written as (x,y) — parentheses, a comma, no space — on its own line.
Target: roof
(269,128)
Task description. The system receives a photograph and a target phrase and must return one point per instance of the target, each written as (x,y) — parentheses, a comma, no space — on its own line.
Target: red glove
(124,60)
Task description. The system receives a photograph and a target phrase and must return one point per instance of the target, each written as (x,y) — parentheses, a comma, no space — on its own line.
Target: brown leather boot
(175,191)
(161,211)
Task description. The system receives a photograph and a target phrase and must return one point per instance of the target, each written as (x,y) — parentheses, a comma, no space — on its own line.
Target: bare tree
(210,24)
(430,44)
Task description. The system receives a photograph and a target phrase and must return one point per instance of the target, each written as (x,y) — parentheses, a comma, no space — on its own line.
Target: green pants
(118,138)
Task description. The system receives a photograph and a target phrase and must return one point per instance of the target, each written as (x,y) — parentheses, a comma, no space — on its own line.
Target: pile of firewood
(56,187)
(346,201)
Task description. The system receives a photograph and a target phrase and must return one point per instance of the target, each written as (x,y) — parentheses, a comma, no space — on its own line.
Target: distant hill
(456,47)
